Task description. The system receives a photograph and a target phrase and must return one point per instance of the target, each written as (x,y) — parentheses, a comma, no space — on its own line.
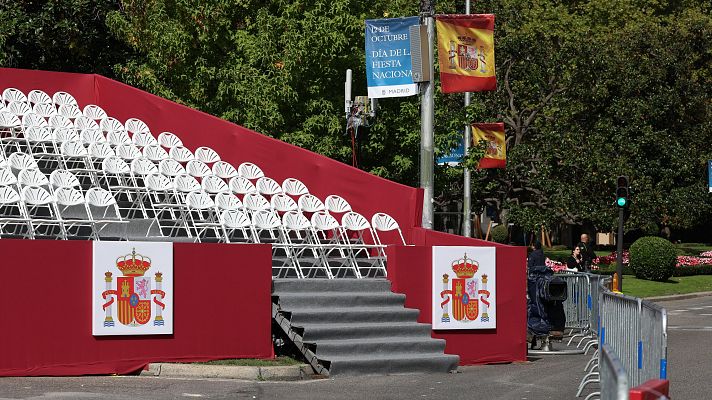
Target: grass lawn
(692,249)
(675,285)
(250,362)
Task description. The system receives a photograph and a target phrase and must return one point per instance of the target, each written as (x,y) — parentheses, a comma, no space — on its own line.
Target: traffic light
(622,192)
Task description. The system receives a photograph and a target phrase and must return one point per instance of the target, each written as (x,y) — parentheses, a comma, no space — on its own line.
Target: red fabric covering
(367,194)
(409,270)
(651,390)
(222,310)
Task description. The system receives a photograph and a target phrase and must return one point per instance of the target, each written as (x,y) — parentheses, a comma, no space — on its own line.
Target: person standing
(536,257)
(587,253)
(575,260)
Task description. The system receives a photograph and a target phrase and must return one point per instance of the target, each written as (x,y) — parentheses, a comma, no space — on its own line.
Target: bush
(500,234)
(653,258)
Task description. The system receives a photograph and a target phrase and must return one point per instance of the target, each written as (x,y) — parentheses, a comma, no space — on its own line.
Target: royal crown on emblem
(133,264)
(465,267)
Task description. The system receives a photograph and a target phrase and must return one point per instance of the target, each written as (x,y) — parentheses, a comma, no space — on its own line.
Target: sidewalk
(271,373)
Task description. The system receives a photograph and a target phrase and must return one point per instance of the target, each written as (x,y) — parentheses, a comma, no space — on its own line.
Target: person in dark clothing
(586,252)
(536,257)
(575,260)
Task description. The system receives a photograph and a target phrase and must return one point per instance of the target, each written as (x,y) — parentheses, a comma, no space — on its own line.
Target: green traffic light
(621,201)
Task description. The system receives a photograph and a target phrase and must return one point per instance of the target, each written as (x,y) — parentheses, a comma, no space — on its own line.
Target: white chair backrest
(235,219)
(8,195)
(181,154)
(224,170)
(294,187)
(101,150)
(265,219)
(22,161)
(255,202)
(135,125)
(199,200)
(324,221)
(110,124)
(31,119)
(268,186)
(32,177)
(83,122)
(118,138)
(44,110)
(9,120)
(185,183)
(61,135)
(115,166)
(171,167)
(127,151)
(242,185)
(353,221)
(39,97)
(99,197)
(94,112)
(36,195)
(18,108)
(68,196)
(213,184)
(250,171)
(155,153)
(90,136)
(384,223)
(7,178)
(227,201)
(310,203)
(143,139)
(63,98)
(158,183)
(60,121)
(198,169)
(169,140)
(142,166)
(295,220)
(207,155)
(283,203)
(70,111)
(61,178)
(336,204)
(10,95)
(74,149)
(36,134)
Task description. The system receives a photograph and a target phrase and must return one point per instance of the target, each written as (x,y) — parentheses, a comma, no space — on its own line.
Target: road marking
(706,314)
(696,308)
(192,395)
(691,328)
(678,310)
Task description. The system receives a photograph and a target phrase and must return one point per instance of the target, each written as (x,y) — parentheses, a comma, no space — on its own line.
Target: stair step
(379,345)
(396,364)
(281,286)
(342,315)
(296,301)
(317,332)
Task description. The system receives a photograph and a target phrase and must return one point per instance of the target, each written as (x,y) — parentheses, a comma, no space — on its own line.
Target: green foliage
(653,258)
(500,234)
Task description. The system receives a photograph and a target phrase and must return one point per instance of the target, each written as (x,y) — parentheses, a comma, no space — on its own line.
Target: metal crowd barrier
(614,380)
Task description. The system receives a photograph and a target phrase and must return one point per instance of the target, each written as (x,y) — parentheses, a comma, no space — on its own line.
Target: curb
(678,296)
(275,373)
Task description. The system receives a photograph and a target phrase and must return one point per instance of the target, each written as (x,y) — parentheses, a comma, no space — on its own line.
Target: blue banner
(455,157)
(388,66)
(709,175)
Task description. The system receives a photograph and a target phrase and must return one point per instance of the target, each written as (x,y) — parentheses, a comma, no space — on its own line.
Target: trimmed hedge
(653,258)
(500,234)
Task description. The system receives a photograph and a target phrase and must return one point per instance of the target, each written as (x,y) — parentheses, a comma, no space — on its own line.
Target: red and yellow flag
(466,52)
(496,153)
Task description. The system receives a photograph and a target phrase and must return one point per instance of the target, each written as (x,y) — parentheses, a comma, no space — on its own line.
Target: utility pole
(466,197)
(427,116)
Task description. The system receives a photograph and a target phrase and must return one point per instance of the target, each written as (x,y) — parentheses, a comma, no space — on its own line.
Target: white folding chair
(382,222)
(294,187)
(39,97)
(183,185)
(98,152)
(155,153)
(7,178)
(61,178)
(237,226)
(364,253)
(127,152)
(19,108)
(143,139)
(334,246)
(19,161)
(207,155)
(166,208)
(90,136)
(70,111)
(10,131)
(135,125)
(33,119)
(44,110)
(255,202)
(171,168)
(267,228)
(268,187)
(198,169)
(94,112)
(73,210)
(250,171)
(10,95)
(63,98)
(227,201)
(212,184)
(32,177)
(336,205)
(181,154)
(13,216)
(308,203)
(224,170)
(281,203)
(118,138)
(75,158)
(110,124)
(241,186)
(169,140)
(306,249)
(41,209)
(105,215)
(83,122)
(40,144)
(203,217)
(60,122)
(118,180)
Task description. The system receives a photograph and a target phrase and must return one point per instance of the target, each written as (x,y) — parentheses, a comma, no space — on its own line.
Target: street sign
(709,175)
(389,70)
(455,156)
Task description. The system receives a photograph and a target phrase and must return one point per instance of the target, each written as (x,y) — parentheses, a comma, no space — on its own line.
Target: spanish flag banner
(496,153)
(466,52)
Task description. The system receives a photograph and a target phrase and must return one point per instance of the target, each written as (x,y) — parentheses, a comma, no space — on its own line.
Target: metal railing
(614,380)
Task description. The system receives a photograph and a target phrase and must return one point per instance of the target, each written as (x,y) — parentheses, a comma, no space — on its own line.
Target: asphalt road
(690,347)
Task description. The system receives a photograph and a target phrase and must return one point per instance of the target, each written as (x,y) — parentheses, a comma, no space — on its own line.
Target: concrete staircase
(357,326)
